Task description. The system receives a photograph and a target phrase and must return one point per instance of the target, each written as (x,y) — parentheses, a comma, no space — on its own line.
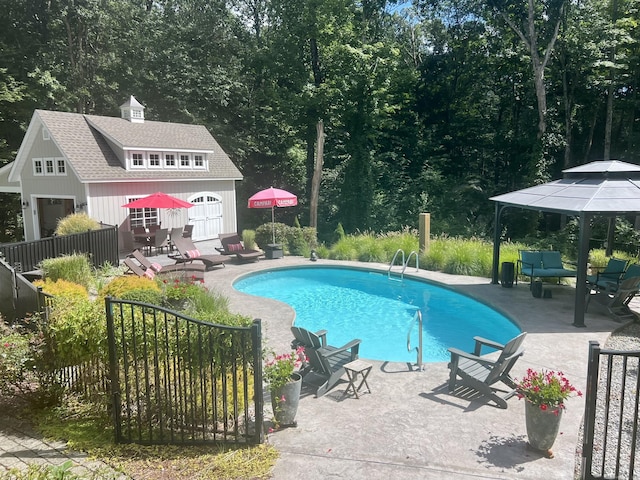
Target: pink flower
(543,407)
(282,399)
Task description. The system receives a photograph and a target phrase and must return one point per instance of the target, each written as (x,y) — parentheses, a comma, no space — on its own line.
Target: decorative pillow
(156,266)
(150,273)
(235,247)
(193,253)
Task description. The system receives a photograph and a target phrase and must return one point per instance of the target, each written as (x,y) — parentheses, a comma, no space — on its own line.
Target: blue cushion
(551,259)
(531,259)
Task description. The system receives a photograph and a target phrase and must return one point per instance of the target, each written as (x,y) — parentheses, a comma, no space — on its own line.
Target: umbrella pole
(273,226)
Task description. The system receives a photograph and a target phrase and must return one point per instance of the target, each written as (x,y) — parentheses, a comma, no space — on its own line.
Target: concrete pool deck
(410,426)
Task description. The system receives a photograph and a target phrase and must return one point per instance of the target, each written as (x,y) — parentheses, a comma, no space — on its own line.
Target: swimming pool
(353,303)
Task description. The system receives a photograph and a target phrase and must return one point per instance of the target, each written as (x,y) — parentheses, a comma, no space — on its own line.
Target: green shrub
(62,288)
(249,239)
(121,285)
(15,359)
(74,268)
(76,223)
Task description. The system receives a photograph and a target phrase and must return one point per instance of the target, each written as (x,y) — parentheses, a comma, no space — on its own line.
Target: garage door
(205,215)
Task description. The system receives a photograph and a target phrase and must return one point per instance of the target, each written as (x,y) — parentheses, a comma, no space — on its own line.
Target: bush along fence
(178,380)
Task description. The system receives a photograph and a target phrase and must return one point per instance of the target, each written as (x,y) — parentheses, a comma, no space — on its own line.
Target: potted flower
(545,393)
(285,382)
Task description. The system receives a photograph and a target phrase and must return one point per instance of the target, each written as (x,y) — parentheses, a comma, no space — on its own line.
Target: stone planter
(542,426)
(284,401)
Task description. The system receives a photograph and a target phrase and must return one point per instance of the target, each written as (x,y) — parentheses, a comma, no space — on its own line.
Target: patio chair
(616,296)
(178,267)
(307,339)
(327,365)
(612,273)
(129,242)
(187,231)
(150,273)
(481,374)
(232,245)
(188,252)
(176,232)
(161,239)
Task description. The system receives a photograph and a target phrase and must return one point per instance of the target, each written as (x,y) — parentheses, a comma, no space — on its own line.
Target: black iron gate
(178,380)
(610,449)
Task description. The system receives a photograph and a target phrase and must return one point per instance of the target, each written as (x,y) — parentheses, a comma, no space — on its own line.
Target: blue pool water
(352,303)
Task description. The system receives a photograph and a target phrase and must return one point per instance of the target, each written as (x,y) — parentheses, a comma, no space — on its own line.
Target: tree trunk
(317,176)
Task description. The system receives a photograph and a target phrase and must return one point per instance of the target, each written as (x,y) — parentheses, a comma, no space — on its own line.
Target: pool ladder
(417,317)
(405,263)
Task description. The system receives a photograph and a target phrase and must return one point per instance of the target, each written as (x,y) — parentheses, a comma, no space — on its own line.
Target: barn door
(205,215)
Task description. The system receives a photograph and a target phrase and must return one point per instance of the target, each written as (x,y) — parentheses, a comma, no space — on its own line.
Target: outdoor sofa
(542,264)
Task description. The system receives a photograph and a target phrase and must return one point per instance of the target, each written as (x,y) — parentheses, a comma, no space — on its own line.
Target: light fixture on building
(81,206)
(25,205)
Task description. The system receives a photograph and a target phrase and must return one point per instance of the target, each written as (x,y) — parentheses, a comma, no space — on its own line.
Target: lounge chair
(175,232)
(188,252)
(615,297)
(481,374)
(327,365)
(613,272)
(232,245)
(178,267)
(150,273)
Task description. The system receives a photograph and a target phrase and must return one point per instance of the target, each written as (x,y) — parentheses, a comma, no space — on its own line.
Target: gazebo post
(581,277)
(496,243)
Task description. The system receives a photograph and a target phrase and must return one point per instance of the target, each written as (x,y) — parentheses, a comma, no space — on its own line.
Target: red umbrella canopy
(158,200)
(273,197)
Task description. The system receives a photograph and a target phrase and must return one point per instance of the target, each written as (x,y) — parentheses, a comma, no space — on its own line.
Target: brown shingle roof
(81,138)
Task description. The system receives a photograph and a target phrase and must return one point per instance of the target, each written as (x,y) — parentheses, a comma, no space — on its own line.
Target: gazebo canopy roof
(607,188)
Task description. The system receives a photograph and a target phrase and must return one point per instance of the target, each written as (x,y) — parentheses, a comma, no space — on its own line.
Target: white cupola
(132,110)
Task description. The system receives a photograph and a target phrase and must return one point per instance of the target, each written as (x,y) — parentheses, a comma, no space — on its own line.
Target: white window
(137,160)
(154,160)
(198,161)
(185,161)
(170,160)
(45,134)
(142,217)
(48,167)
(136,113)
(61,167)
(38,168)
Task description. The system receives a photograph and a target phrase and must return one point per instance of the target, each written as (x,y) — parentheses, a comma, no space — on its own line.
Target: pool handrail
(417,315)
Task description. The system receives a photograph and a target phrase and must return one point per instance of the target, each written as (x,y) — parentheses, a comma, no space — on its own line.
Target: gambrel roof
(90,142)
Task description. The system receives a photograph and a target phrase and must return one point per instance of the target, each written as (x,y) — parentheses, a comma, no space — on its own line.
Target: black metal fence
(178,380)
(101,245)
(610,448)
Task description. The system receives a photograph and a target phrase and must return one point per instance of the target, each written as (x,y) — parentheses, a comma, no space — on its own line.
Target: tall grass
(455,255)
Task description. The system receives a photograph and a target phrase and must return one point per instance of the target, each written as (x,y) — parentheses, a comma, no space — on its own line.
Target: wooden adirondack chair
(327,365)
(481,374)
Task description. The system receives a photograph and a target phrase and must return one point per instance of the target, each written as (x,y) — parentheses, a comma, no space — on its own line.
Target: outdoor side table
(353,369)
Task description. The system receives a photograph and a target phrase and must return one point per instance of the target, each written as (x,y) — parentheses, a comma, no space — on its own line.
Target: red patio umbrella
(158,200)
(271,198)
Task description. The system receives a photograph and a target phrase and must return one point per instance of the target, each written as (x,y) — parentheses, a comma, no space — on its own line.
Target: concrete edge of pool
(410,427)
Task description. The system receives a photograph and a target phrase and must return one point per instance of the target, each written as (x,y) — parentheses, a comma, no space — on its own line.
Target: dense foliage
(434,107)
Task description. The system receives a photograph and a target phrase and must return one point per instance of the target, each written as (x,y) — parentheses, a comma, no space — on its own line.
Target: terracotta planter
(284,401)
(542,426)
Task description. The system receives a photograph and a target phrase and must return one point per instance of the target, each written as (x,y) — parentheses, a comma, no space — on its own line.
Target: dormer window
(198,161)
(137,160)
(170,160)
(154,160)
(185,161)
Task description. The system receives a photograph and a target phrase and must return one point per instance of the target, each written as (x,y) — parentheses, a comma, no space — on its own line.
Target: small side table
(353,369)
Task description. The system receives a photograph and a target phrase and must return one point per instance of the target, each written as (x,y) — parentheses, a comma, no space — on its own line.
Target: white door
(205,215)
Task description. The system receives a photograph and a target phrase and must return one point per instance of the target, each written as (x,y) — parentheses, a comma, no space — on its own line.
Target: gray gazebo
(604,188)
